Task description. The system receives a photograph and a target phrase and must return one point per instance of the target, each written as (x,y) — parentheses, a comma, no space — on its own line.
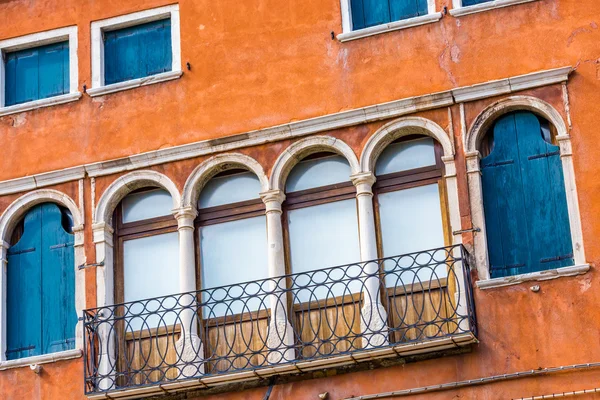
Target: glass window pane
(151,269)
(234,252)
(411,221)
(230,189)
(146,205)
(323,236)
(404,156)
(318,172)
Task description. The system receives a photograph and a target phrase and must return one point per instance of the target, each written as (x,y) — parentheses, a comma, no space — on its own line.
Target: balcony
(400,306)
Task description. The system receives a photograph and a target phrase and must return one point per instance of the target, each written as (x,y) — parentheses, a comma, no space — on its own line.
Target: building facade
(343,199)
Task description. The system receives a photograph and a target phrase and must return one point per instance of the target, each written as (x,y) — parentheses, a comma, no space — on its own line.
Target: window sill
(534,276)
(43,359)
(32,105)
(492,5)
(392,26)
(134,83)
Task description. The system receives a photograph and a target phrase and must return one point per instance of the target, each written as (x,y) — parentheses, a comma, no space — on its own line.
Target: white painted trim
(124,185)
(511,85)
(8,220)
(134,83)
(534,276)
(458,10)
(40,39)
(477,131)
(291,130)
(390,27)
(305,147)
(43,359)
(209,168)
(41,103)
(124,21)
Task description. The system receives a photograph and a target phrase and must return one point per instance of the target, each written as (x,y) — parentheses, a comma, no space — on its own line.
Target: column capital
(185,216)
(102,233)
(273,199)
(363,182)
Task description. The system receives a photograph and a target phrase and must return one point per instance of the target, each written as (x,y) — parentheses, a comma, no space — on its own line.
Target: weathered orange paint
(257,64)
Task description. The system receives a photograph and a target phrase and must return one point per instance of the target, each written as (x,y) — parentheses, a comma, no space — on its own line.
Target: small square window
(135,49)
(38,70)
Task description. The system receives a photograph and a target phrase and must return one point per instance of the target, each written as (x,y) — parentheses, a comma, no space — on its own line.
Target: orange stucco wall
(257,64)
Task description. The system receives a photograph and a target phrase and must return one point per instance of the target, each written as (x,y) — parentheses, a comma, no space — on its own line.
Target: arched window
(526,216)
(410,194)
(147,253)
(232,233)
(320,207)
(41,315)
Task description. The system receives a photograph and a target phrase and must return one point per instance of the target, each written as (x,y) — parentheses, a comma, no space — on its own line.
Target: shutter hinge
(466,231)
(84,266)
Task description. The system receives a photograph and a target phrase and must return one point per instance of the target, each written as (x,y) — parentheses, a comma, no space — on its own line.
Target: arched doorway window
(41,315)
(526,216)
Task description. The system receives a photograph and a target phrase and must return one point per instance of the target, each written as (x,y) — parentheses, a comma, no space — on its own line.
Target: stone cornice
(343,119)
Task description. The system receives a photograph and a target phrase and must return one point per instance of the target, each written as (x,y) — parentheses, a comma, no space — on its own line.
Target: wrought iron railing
(289,319)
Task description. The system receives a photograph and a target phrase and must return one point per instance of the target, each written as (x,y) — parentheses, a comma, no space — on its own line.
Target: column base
(190,356)
(373,325)
(280,342)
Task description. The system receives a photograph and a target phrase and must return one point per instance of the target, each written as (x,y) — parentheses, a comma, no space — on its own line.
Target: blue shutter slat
(376,12)
(402,9)
(138,51)
(58,278)
(24,305)
(66,69)
(10,74)
(358,14)
(27,76)
(51,71)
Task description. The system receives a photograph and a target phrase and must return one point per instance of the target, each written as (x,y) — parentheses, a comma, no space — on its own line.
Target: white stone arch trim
(125,184)
(305,147)
(482,123)
(8,221)
(214,165)
(397,129)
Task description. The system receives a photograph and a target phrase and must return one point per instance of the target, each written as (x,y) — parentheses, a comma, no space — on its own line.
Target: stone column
(280,339)
(189,347)
(103,239)
(373,314)
(3,282)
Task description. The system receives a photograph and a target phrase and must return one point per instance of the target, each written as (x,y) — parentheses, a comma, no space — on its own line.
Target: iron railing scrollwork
(293,318)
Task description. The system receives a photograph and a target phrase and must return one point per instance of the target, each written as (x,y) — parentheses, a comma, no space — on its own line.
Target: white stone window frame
(482,123)
(458,9)
(8,221)
(35,40)
(125,21)
(349,34)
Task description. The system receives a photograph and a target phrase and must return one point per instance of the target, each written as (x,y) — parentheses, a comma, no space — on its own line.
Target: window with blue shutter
(366,13)
(40,301)
(524,198)
(36,73)
(137,51)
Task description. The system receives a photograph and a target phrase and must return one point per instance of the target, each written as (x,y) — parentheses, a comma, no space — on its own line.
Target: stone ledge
(534,276)
(32,105)
(43,359)
(134,83)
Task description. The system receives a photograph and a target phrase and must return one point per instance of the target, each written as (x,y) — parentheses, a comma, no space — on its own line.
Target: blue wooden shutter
(526,214)
(366,13)
(137,52)
(37,73)
(41,287)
